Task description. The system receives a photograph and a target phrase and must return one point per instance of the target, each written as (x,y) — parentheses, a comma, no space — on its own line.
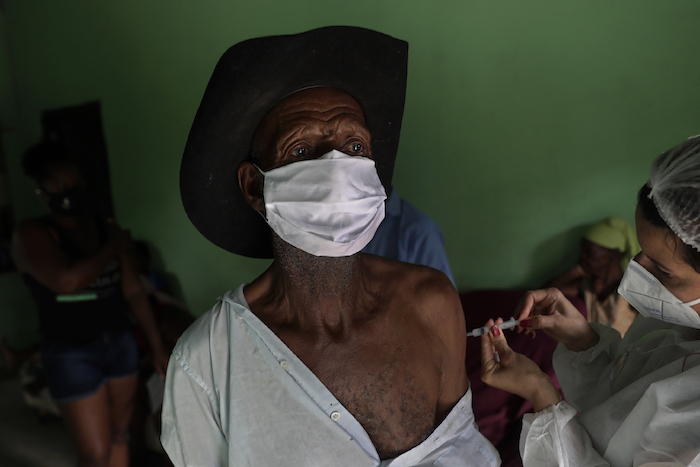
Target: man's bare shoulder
(427,293)
(429,289)
(428,297)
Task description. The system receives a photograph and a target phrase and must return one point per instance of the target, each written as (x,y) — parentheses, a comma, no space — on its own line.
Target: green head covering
(615,234)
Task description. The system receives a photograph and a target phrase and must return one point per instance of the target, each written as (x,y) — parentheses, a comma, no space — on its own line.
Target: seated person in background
(153,280)
(172,316)
(407,234)
(331,357)
(606,248)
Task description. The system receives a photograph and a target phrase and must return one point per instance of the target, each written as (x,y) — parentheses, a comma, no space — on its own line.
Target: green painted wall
(525,121)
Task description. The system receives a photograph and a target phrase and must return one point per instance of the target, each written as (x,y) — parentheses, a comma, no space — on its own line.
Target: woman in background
(79,271)
(606,248)
(637,397)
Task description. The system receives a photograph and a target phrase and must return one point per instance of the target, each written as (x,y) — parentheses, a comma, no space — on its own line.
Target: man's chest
(390,384)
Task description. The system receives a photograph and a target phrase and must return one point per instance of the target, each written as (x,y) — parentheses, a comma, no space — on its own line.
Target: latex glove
(550,311)
(505,369)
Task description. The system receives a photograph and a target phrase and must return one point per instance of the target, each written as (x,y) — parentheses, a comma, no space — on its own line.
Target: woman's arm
(551,437)
(551,312)
(36,252)
(569,282)
(588,348)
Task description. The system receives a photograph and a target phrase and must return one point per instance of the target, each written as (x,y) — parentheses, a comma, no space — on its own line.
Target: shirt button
(335,416)
(284,364)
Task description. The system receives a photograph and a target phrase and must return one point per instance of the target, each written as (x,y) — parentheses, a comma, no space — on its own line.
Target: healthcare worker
(637,397)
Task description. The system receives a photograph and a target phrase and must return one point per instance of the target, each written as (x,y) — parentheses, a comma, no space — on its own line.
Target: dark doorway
(79,130)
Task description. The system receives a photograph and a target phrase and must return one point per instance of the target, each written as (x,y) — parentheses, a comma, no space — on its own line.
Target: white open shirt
(235,395)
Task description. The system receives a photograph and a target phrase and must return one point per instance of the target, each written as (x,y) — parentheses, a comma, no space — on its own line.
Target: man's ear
(250,180)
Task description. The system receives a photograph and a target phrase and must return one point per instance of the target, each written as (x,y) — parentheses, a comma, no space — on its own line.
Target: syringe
(510,324)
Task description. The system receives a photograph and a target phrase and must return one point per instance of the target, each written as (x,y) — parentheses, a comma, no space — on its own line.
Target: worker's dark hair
(649,211)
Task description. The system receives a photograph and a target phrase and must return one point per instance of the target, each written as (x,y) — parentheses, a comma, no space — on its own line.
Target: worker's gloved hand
(505,369)
(550,311)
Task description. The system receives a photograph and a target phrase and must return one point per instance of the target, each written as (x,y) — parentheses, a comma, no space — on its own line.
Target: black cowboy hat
(250,78)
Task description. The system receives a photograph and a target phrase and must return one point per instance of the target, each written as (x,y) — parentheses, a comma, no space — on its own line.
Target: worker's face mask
(330,206)
(651,299)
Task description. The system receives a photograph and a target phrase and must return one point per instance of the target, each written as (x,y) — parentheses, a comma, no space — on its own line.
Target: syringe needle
(510,324)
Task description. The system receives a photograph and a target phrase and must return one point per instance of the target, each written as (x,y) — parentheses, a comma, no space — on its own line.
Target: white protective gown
(649,417)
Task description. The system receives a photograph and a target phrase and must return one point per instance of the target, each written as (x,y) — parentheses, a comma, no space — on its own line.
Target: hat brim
(250,78)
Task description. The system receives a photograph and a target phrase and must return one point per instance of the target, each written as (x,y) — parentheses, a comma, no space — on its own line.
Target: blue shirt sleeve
(407,234)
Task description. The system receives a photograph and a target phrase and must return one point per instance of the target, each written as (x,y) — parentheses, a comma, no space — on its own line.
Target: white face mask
(330,206)
(651,299)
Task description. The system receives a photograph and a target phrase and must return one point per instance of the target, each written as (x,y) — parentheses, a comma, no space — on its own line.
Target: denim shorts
(76,371)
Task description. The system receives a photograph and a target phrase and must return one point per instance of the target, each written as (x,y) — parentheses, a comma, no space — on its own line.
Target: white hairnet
(674,179)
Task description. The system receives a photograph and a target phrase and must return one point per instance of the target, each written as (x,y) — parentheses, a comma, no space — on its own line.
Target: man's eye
(299,152)
(356,147)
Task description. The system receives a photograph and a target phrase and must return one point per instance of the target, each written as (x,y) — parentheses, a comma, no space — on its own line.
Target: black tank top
(82,316)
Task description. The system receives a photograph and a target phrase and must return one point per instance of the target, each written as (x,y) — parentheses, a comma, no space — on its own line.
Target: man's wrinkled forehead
(307,107)
(318,100)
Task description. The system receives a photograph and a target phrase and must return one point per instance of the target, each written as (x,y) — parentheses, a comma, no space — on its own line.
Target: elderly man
(331,357)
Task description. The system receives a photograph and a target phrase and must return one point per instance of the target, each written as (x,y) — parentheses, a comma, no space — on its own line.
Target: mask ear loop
(262,173)
(692,302)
